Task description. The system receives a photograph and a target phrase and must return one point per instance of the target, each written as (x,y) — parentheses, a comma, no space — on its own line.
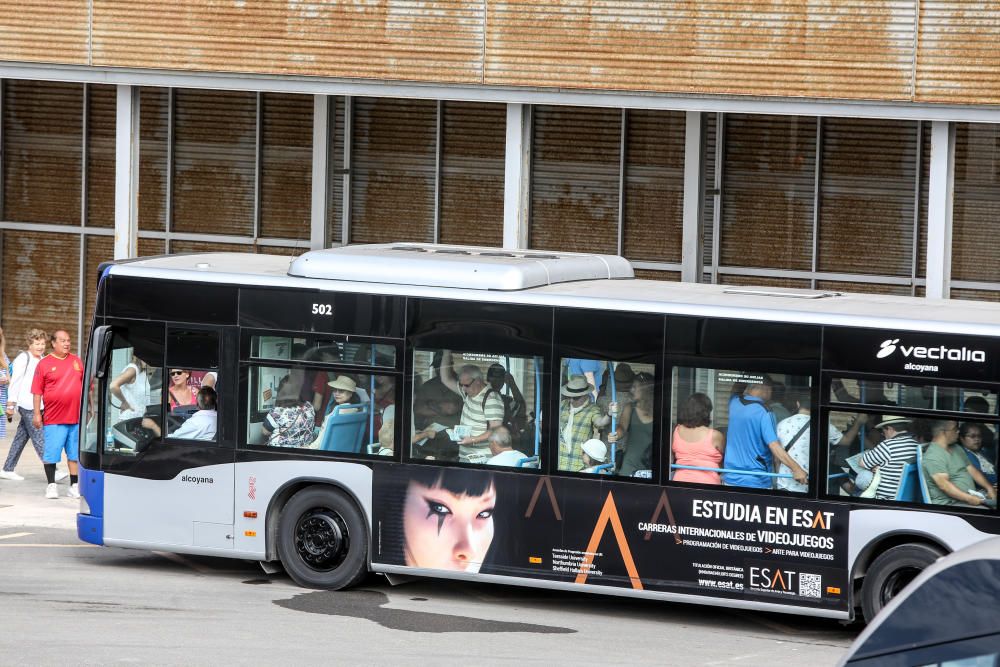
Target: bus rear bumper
(90,519)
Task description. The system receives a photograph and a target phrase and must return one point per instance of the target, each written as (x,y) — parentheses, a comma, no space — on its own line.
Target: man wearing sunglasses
(482,410)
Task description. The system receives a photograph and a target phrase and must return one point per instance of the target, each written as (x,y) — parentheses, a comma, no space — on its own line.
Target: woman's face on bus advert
(444,531)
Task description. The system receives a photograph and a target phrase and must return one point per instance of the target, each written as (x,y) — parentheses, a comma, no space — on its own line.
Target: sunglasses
(175,373)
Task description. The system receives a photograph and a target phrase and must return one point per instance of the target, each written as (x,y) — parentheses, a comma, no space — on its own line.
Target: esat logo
(772,579)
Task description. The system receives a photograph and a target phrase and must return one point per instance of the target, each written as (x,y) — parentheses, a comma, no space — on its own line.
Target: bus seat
(924,493)
(909,484)
(528,462)
(344,428)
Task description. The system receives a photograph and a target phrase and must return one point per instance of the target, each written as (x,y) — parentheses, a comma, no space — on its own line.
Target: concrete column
(692,264)
(940,198)
(517,176)
(320,172)
(127,173)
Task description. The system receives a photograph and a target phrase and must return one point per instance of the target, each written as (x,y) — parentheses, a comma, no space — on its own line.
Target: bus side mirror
(103,335)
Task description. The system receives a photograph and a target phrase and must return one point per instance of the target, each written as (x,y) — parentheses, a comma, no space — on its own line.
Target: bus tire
(323,539)
(890,572)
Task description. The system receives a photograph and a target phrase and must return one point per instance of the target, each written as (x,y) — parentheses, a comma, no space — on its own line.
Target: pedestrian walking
(4,382)
(20,401)
(57,384)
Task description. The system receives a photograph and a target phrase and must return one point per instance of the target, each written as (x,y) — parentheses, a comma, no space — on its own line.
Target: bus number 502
(322,309)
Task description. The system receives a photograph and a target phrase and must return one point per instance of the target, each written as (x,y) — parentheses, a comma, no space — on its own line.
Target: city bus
(536,419)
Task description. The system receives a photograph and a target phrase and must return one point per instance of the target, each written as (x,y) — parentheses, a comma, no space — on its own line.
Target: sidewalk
(24,503)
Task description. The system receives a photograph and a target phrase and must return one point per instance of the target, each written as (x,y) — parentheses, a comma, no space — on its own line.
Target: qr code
(810,585)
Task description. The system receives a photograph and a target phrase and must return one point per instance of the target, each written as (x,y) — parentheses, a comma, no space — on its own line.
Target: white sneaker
(61,475)
(11,475)
(74,491)
(52,491)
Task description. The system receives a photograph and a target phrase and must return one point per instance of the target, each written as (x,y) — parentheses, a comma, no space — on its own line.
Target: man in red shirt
(58,381)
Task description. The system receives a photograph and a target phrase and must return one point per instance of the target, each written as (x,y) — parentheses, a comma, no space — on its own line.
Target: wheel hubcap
(321,539)
(896,582)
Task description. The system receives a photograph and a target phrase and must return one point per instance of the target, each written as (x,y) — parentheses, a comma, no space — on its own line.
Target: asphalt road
(65,602)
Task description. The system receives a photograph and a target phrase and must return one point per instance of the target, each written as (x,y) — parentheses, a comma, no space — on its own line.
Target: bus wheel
(890,572)
(322,539)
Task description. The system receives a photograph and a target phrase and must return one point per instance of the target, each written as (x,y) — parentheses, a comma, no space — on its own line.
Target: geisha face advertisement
(694,541)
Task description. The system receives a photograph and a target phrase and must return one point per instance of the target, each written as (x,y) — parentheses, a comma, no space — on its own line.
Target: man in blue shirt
(751,441)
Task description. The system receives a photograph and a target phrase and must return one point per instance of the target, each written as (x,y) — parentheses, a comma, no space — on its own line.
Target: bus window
(741,428)
(913,395)
(606,417)
(134,388)
(900,457)
(314,408)
(879,456)
(476,408)
(322,349)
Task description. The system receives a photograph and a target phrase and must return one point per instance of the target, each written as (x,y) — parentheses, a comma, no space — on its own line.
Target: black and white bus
(540,419)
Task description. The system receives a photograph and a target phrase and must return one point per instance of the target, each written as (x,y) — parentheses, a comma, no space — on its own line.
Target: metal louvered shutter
(214,161)
(102,104)
(711,130)
(335,173)
(97,249)
(976,203)
(472,173)
(32,260)
(393,170)
(768,185)
(42,134)
(867,192)
(286,165)
(575,179)
(153,137)
(654,186)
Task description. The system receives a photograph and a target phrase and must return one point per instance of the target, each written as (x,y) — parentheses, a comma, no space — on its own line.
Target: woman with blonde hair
(21,399)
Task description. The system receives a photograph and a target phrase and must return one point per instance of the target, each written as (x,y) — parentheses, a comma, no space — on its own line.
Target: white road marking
(13,535)
(47,546)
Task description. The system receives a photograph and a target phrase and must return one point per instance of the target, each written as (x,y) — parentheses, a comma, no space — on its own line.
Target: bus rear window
(913,395)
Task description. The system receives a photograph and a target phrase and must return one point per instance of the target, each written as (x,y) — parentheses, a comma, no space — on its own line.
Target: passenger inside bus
(594,458)
(384,400)
(970,436)
(793,432)
(579,421)
(591,369)
(345,393)
(199,426)
(502,449)
(695,443)
(180,391)
(634,432)
(482,409)
(952,479)
(292,421)
(890,456)
(622,383)
(131,387)
(752,444)
(979,404)
(514,407)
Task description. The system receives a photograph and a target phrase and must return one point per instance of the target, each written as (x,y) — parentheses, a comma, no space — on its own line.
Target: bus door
(168,442)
